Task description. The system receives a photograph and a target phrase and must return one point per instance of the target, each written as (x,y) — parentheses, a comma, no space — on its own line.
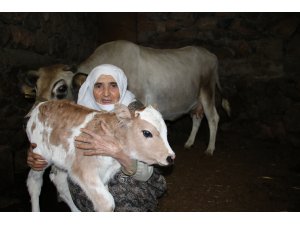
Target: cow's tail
(225,102)
(226,106)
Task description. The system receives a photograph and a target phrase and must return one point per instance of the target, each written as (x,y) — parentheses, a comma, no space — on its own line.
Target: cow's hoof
(188,146)
(209,152)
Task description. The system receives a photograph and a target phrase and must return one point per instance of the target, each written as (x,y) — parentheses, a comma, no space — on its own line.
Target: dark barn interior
(256,164)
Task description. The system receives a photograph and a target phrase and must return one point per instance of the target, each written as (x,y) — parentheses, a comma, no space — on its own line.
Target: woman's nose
(106,91)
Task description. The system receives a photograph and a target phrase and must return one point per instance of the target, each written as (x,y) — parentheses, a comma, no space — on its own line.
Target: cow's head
(52,82)
(146,135)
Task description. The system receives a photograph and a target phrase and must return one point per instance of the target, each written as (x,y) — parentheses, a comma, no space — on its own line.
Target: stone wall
(258,54)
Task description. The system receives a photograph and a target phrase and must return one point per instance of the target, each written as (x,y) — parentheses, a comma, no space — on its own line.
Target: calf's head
(145,135)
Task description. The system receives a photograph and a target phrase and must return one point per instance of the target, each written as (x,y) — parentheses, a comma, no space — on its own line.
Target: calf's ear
(123,114)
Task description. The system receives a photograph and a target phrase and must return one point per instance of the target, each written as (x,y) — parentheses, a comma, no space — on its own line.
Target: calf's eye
(147,134)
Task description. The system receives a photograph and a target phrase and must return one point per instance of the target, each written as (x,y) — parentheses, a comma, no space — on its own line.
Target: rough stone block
(6,167)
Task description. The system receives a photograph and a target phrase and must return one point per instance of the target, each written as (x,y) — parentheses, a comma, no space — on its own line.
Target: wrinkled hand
(35,161)
(95,144)
(105,145)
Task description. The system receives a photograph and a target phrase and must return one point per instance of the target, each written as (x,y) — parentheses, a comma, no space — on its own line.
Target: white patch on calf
(66,157)
(154,117)
(76,131)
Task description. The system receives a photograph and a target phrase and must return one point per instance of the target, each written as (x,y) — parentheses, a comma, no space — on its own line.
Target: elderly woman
(137,186)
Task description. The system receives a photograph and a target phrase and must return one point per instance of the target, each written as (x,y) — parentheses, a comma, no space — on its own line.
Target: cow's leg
(208,102)
(34,184)
(95,190)
(197,116)
(59,178)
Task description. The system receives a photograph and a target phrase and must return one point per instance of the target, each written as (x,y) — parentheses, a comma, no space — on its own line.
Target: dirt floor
(245,174)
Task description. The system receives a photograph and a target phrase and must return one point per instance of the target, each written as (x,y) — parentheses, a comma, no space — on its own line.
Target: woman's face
(106,90)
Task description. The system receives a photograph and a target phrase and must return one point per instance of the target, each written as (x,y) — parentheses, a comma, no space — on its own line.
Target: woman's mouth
(106,101)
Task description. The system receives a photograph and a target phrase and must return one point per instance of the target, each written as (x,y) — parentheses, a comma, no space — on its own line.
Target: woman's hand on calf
(34,160)
(105,145)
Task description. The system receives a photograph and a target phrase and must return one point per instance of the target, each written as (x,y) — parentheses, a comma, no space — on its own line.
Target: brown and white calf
(53,125)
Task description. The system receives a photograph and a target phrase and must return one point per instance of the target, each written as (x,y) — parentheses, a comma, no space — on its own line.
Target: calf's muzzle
(170,160)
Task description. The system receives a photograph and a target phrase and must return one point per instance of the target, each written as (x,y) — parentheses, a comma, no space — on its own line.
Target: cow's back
(167,78)
(119,53)
(170,78)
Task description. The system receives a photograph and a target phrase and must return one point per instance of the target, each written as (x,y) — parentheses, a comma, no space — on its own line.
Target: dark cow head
(52,82)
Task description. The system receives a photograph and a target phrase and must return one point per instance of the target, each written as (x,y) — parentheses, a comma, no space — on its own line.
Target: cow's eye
(62,89)
(147,134)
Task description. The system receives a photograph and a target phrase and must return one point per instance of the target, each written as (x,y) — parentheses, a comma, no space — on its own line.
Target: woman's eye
(98,86)
(147,134)
(114,85)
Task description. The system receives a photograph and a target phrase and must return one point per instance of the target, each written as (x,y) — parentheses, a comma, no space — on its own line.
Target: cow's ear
(31,78)
(77,80)
(123,114)
(28,83)
(28,91)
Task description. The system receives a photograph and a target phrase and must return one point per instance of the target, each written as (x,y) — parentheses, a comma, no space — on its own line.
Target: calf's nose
(170,160)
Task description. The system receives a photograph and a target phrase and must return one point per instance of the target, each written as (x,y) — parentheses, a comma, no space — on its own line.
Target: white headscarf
(86,96)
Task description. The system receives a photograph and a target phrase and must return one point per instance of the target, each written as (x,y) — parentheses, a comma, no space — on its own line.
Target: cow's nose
(170,160)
